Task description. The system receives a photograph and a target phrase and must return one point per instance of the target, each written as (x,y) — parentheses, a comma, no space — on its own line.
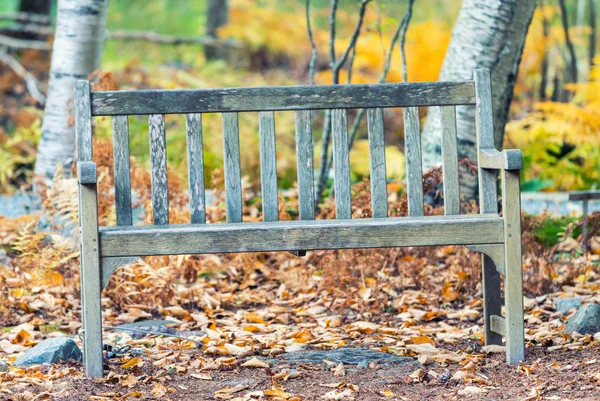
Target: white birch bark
(487,34)
(77,52)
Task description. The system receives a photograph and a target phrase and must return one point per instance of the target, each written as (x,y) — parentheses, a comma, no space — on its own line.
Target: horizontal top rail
(110,103)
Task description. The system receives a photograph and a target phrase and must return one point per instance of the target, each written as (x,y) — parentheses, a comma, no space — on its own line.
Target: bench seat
(177,239)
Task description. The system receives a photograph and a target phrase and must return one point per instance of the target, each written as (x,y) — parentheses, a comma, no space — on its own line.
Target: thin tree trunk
(571,76)
(580,12)
(556,88)
(592,44)
(487,34)
(217,15)
(544,67)
(77,52)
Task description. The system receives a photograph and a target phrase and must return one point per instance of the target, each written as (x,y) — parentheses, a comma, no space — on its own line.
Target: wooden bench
(498,239)
(585,197)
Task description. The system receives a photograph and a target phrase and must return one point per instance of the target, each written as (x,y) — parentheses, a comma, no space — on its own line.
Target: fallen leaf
(339,370)
(426,349)
(493,349)
(469,390)
(425,359)
(201,376)
(417,376)
(422,340)
(128,381)
(133,363)
(255,363)
(159,390)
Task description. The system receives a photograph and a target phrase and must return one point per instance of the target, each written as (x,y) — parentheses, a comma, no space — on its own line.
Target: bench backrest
(302,100)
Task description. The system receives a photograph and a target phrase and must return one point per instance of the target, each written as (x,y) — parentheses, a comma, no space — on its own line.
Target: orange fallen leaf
(422,340)
(133,363)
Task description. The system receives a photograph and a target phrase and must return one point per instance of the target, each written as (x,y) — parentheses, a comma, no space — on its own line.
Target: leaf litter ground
(241,315)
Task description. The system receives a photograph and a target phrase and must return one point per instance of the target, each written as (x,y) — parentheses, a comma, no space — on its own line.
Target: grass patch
(549,231)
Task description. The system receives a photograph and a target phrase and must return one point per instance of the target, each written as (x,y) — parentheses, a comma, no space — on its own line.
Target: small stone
(564,305)
(51,350)
(3,367)
(585,321)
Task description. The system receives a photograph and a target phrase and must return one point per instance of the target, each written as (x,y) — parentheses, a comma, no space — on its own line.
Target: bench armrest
(510,159)
(86,172)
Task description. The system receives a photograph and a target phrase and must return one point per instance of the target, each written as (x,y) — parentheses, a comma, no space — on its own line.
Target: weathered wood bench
(498,239)
(585,197)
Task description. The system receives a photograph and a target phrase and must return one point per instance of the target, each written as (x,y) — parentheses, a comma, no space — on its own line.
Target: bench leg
(90,281)
(492,302)
(513,284)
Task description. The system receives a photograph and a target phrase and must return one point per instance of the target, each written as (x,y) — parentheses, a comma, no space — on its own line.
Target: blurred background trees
(553,114)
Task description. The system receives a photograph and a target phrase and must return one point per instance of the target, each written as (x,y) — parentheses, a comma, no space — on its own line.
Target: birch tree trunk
(77,52)
(487,34)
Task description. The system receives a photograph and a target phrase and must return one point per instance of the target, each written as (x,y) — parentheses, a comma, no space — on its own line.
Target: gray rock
(241,382)
(3,367)
(155,327)
(51,350)
(140,329)
(19,204)
(564,305)
(585,321)
(145,323)
(359,357)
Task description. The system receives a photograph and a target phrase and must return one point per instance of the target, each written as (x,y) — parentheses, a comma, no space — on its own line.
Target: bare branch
(313,57)
(337,66)
(404,25)
(14,43)
(26,17)
(351,65)
(30,81)
(332,12)
(379,30)
(400,31)
(147,36)
(154,37)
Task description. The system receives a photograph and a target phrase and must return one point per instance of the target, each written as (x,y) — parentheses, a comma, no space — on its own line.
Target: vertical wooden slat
(450,161)
(268,165)
(233,181)
(195,159)
(91,286)
(304,157)
(121,164)
(377,155)
(414,169)
(83,120)
(488,199)
(341,162)
(158,159)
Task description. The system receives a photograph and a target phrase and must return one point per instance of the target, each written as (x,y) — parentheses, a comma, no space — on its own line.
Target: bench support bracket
(494,252)
(110,265)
